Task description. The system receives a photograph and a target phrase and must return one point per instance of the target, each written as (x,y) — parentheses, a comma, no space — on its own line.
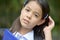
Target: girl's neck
(24,30)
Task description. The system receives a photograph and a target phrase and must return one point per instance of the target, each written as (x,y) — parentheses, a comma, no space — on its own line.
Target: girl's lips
(26,21)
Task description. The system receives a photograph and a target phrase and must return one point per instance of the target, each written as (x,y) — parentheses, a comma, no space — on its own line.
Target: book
(8,35)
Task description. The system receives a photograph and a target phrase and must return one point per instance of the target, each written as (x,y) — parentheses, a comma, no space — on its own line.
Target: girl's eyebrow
(37,13)
(28,7)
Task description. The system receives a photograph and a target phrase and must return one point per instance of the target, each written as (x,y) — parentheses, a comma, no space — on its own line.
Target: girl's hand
(50,26)
(47,29)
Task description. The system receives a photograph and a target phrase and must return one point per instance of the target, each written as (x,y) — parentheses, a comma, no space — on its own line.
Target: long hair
(38,30)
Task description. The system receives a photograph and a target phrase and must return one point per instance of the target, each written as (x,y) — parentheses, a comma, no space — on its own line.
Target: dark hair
(38,30)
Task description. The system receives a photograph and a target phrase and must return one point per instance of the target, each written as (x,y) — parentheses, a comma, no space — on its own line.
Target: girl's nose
(29,16)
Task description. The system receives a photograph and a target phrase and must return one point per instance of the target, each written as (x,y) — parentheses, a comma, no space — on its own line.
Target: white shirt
(28,36)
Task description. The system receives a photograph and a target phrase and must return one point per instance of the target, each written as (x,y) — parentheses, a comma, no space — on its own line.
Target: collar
(28,36)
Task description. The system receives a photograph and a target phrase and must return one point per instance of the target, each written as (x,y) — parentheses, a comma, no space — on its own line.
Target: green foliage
(9,10)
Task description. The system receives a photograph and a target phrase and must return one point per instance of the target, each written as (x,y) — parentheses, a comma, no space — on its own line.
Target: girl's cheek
(24,12)
(34,19)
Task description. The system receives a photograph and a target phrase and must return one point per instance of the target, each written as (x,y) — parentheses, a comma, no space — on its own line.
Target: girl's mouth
(26,21)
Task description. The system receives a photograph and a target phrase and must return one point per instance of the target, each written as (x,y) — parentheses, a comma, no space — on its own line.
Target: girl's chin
(26,26)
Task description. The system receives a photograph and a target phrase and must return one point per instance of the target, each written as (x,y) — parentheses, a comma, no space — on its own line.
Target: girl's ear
(41,22)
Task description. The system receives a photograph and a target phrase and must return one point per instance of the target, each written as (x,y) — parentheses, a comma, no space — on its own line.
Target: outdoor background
(9,11)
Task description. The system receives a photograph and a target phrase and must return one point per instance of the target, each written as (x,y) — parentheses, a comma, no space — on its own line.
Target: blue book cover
(8,35)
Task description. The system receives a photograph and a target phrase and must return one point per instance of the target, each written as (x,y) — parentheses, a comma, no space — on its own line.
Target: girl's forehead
(33,5)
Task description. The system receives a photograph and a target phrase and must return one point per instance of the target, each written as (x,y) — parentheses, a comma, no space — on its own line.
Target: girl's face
(31,15)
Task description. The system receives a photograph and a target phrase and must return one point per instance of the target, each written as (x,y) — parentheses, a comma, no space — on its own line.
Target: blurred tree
(9,11)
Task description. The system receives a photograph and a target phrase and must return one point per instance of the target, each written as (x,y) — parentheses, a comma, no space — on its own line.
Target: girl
(34,23)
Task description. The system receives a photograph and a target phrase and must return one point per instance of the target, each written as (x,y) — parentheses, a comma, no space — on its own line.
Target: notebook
(8,35)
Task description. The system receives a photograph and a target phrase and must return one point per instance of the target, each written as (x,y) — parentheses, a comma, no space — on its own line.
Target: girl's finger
(51,22)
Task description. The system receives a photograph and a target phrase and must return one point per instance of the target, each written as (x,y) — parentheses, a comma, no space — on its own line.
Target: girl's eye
(36,15)
(27,10)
